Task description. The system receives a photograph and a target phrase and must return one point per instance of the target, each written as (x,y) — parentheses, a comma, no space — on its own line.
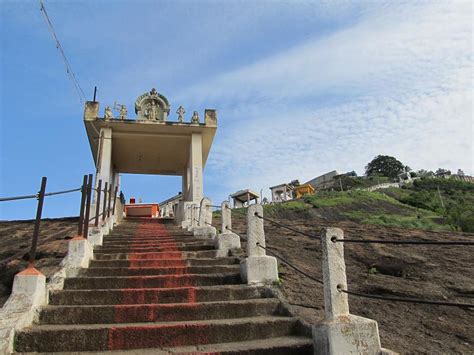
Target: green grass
(335,198)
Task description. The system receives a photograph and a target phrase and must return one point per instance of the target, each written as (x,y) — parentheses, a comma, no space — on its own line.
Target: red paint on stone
(176,287)
(157,263)
(30,271)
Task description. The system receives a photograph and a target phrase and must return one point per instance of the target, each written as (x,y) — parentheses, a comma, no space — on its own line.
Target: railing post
(258,267)
(205,212)
(334,273)
(227,240)
(110,200)
(97,203)
(340,332)
(88,207)
(226,214)
(255,231)
(39,211)
(83,201)
(115,198)
(104,207)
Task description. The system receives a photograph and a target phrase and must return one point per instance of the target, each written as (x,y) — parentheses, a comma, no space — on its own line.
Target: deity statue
(180,113)
(152,112)
(108,113)
(123,112)
(195,118)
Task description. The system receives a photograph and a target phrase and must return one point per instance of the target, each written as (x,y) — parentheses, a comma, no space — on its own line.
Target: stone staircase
(155,289)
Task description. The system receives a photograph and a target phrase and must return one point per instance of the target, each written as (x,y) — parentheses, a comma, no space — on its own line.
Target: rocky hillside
(427,272)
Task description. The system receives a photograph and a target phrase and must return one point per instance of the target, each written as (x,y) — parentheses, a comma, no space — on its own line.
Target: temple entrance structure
(151,144)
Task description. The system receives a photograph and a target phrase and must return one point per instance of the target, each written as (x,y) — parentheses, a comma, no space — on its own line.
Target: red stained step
(155,295)
(131,313)
(93,337)
(171,270)
(162,281)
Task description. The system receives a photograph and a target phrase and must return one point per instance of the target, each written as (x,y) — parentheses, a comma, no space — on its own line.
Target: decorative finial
(180,113)
(195,118)
(122,110)
(108,114)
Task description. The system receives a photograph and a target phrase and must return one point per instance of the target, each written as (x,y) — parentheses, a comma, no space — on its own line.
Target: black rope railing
(406,300)
(84,213)
(401,242)
(286,227)
(289,264)
(355,293)
(14,198)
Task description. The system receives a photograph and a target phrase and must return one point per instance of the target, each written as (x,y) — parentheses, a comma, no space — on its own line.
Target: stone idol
(152,106)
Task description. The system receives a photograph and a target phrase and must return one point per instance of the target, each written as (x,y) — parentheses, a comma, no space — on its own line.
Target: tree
(442,172)
(384,165)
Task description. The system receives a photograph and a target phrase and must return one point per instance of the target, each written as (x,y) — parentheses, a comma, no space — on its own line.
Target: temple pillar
(195,169)
(104,165)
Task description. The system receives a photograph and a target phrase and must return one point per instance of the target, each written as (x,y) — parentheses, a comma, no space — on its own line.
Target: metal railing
(84,210)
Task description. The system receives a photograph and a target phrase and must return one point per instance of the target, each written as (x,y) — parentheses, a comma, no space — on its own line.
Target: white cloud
(399,82)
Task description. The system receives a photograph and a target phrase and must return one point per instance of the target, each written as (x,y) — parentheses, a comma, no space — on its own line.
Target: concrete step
(141,313)
(164,262)
(156,295)
(101,337)
(289,345)
(162,281)
(150,240)
(154,243)
(178,270)
(156,255)
(151,234)
(166,248)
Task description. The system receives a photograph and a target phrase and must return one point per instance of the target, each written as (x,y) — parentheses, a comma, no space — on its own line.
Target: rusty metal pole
(110,201)
(97,202)
(115,198)
(105,201)
(88,207)
(36,230)
(83,201)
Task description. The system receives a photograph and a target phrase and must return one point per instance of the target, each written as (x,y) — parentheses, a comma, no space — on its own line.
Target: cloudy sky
(301,87)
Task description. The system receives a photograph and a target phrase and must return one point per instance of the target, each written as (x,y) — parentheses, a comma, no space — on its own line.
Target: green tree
(384,165)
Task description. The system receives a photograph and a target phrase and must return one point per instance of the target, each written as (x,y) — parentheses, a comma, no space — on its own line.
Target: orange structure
(151,210)
(303,190)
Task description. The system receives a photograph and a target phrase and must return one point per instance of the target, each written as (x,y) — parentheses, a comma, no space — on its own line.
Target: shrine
(151,143)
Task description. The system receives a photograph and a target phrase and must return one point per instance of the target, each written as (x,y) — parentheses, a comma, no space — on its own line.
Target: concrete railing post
(341,332)
(227,240)
(20,310)
(336,303)
(204,229)
(257,268)
(226,214)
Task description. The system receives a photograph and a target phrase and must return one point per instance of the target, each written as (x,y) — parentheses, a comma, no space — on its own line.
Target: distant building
(303,190)
(281,193)
(243,198)
(323,182)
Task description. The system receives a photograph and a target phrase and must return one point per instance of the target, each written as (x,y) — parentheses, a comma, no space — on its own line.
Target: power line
(69,70)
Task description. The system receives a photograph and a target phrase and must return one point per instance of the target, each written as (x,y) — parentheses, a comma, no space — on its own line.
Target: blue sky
(301,87)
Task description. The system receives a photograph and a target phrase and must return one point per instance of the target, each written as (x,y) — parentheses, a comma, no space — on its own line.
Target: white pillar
(204,229)
(226,214)
(227,240)
(103,164)
(257,268)
(195,168)
(341,332)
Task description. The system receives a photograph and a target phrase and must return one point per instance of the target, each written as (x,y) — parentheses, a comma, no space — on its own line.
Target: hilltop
(427,203)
